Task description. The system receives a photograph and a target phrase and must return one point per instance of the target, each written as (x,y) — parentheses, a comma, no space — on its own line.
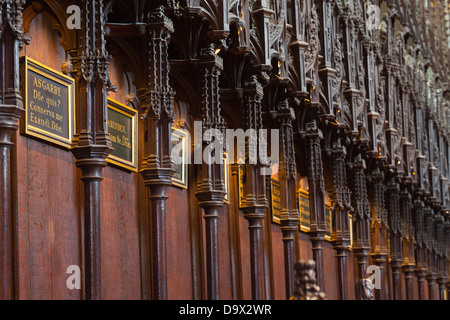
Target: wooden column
(409,263)
(9,117)
(211,188)
(447,252)
(11,108)
(430,244)
(254,202)
(316,197)
(91,143)
(158,113)
(290,216)
(379,227)
(421,259)
(440,247)
(340,197)
(396,258)
(361,216)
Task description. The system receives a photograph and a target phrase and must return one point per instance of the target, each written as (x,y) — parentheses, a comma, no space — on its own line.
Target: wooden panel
(350,277)
(330,274)
(278,264)
(65,221)
(120,235)
(179,253)
(44,46)
(224,256)
(48,219)
(305,246)
(244,234)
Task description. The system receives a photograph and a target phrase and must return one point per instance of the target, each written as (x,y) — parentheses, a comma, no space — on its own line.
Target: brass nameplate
(276,201)
(122,124)
(226,173)
(305,215)
(328,216)
(49,102)
(350,230)
(180,145)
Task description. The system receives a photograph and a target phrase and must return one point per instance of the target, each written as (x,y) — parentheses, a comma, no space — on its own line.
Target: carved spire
(340,194)
(91,63)
(360,201)
(158,96)
(315,176)
(393,204)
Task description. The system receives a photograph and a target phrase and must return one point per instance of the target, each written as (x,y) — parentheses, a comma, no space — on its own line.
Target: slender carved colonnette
(157,100)
(340,200)
(91,145)
(361,242)
(255,201)
(317,198)
(379,228)
(211,189)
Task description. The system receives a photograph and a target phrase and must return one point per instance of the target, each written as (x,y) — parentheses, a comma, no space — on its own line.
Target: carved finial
(312,130)
(305,282)
(339,148)
(360,162)
(312,126)
(253,84)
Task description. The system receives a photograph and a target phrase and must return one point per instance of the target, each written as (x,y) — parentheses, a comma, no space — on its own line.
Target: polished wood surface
(363,119)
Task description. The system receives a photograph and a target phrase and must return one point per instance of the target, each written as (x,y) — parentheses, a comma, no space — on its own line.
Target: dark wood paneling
(350,277)
(48,219)
(44,46)
(224,256)
(330,276)
(120,235)
(244,235)
(179,249)
(305,246)
(278,263)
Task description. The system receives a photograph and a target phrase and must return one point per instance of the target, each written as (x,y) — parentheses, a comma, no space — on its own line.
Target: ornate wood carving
(211,189)
(157,100)
(340,197)
(361,216)
(290,217)
(408,234)
(379,226)
(91,144)
(381,89)
(396,258)
(317,197)
(421,258)
(430,245)
(255,202)
(440,255)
